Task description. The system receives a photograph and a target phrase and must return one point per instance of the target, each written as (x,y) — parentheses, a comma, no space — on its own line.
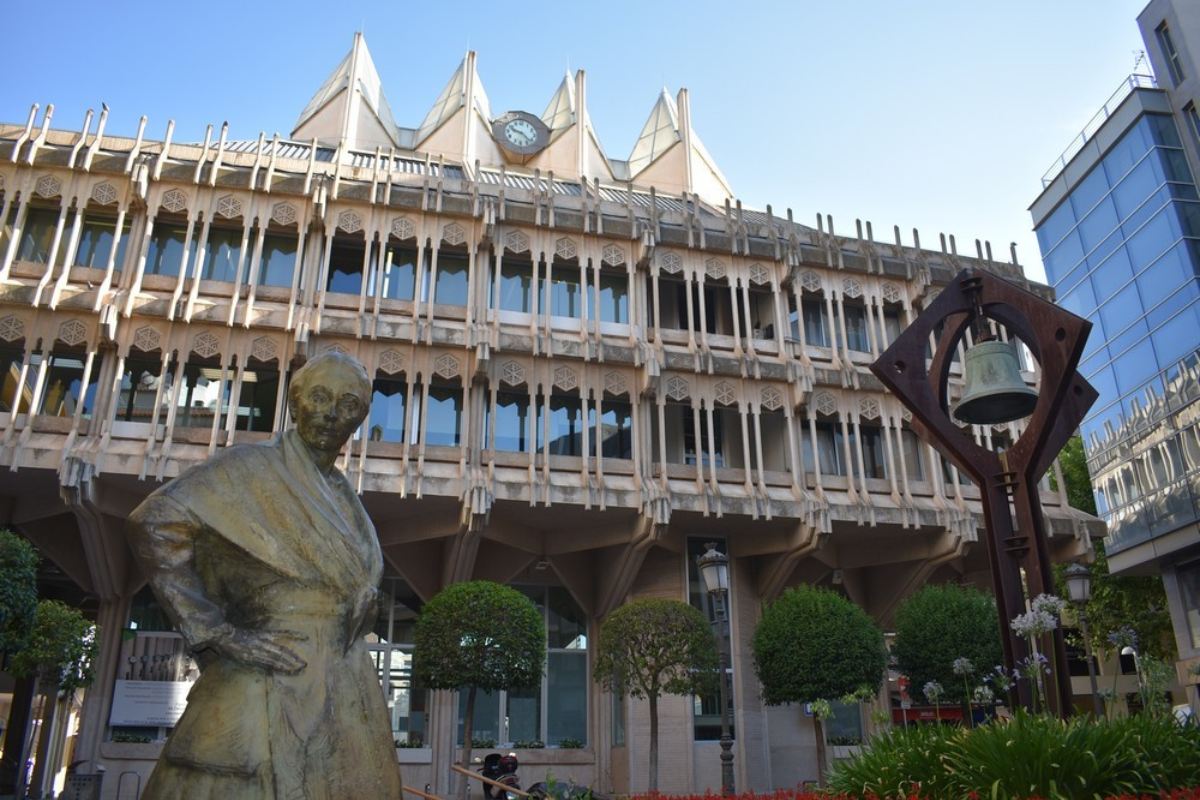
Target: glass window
(614,298)
(345,267)
(199,396)
(516,286)
(856,327)
(1080,301)
(165,253)
(912,454)
(829,448)
(1177,337)
(1135,366)
(444,417)
(1054,227)
(566,426)
(11,359)
(1193,121)
(1088,192)
(567,693)
(892,325)
(1098,224)
(37,235)
(689,437)
(65,391)
(139,386)
(1152,239)
(256,400)
(389,400)
(816,325)
(399,273)
(1111,275)
(512,421)
(1170,54)
(844,727)
(874,463)
(1128,150)
(451,289)
(278,260)
(1165,276)
(96,241)
(391,646)
(565,298)
(1135,188)
(1062,259)
(1120,311)
(616,429)
(221,255)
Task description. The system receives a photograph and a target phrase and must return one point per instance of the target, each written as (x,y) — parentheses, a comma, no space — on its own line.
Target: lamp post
(714,571)
(1079,588)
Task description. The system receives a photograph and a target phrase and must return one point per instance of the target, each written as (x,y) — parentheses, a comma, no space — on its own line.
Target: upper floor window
(1174,65)
(874,461)
(345,266)
(855,318)
(389,406)
(222,254)
(565,297)
(443,424)
(96,243)
(616,429)
(399,273)
(614,297)
(690,445)
(516,286)
(65,388)
(165,253)
(451,286)
(37,235)
(1193,121)
(278,260)
(816,323)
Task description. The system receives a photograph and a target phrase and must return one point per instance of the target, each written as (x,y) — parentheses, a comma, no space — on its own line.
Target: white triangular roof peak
(454,96)
(350,107)
(560,112)
(660,132)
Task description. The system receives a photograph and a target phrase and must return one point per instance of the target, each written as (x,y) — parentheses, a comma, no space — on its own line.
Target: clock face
(520,133)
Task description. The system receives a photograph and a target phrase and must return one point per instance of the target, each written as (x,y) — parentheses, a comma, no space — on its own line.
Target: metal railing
(1089,130)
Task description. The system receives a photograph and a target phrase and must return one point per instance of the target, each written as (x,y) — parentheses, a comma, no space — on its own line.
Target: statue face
(329,408)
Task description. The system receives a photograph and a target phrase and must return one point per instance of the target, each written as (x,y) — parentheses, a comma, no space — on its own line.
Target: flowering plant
(983,696)
(1049,603)
(1034,623)
(1000,678)
(1123,637)
(963,666)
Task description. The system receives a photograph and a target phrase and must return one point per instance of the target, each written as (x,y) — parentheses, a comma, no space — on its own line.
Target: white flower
(932,691)
(1034,623)
(983,696)
(963,666)
(1049,603)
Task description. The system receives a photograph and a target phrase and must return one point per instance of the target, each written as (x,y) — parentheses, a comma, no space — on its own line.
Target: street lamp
(714,571)
(1079,589)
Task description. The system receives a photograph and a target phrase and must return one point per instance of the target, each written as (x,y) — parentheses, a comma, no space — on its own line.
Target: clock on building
(520,133)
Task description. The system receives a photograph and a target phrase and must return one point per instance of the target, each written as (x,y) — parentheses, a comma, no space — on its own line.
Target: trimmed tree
(60,652)
(651,647)
(18,599)
(18,590)
(812,644)
(940,624)
(478,635)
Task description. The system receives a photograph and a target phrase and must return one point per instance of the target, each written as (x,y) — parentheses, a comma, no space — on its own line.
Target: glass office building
(1121,250)
(1118,224)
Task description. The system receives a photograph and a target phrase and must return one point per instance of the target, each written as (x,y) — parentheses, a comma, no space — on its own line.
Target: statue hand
(263,649)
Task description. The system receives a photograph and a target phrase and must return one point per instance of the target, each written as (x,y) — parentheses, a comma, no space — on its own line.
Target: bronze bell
(994,390)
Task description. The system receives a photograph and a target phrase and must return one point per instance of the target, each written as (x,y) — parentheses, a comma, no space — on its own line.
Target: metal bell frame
(1017,541)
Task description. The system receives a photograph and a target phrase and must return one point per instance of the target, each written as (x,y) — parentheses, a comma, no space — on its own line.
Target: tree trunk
(820,730)
(49,706)
(653,787)
(468,732)
(11,766)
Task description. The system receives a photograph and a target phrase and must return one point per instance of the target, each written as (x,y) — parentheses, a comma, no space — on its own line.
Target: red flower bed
(809,794)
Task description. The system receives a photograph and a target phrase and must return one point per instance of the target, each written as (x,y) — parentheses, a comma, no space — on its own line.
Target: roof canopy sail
(560,112)
(454,96)
(658,135)
(350,108)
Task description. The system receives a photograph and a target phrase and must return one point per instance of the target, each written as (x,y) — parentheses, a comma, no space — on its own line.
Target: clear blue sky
(937,114)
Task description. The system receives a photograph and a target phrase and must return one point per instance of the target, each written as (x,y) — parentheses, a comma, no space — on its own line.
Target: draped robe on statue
(260,539)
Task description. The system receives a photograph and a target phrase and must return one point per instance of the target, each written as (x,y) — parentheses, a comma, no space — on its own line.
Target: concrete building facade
(585,368)
(1118,223)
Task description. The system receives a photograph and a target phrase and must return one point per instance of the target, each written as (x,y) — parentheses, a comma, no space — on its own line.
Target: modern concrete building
(1118,223)
(585,368)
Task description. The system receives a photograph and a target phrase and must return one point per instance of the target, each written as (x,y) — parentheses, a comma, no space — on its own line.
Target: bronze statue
(268,564)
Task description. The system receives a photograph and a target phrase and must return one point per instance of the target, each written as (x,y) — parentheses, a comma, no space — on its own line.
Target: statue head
(328,399)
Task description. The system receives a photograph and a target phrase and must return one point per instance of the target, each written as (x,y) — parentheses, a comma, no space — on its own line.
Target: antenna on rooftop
(1139,59)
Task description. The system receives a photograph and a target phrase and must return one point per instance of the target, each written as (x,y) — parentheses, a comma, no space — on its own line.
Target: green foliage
(652,646)
(18,590)
(812,644)
(941,623)
(1030,756)
(1138,602)
(61,649)
(895,763)
(479,634)
(1075,473)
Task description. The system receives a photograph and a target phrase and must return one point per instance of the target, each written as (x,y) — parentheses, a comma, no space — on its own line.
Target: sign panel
(157,703)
